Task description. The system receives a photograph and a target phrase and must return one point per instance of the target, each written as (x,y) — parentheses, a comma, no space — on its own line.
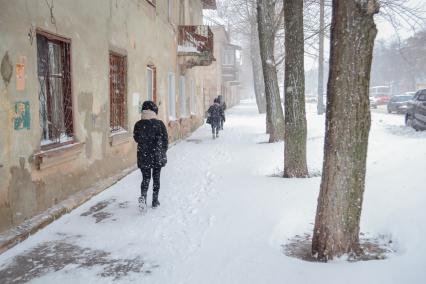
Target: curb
(13,236)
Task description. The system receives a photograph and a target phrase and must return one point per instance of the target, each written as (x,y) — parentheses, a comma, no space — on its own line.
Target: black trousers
(215,129)
(146,178)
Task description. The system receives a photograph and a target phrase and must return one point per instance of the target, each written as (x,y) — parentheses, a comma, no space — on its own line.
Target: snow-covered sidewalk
(224,217)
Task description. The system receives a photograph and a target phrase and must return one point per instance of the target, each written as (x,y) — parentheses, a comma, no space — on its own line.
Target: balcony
(195,46)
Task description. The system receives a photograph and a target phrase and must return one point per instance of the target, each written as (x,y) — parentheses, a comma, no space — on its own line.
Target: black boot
(142,203)
(155,202)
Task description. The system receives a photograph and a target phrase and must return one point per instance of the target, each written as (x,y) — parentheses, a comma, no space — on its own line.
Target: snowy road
(224,217)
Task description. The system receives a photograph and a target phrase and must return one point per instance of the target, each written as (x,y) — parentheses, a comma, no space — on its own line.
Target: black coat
(216,114)
(151,136)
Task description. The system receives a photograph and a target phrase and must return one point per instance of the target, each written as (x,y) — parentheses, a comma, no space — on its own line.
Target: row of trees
(279,25)
(278,33)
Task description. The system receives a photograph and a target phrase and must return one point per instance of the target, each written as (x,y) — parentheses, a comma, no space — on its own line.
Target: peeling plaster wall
(95,27)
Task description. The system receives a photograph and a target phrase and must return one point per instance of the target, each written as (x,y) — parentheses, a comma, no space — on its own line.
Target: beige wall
(144,34)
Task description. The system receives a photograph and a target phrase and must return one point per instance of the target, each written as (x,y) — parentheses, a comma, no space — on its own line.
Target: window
(117,91)
(182,12)
(193,101)
(151,82)
(228,57)
(182,96)
(170,10)
(422,97)
(172,95)
(54,76)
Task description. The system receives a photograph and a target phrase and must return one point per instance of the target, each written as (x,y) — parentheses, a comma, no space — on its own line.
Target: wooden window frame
(65,76)
(118,109)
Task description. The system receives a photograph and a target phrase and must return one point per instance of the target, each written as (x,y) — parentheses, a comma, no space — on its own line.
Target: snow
(187,48)
(224,219)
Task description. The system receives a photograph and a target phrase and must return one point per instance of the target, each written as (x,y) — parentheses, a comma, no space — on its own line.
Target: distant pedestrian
(151,135)
(223,105)
(215,116)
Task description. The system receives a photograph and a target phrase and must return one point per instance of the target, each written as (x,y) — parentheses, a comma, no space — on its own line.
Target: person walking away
(151,135)
(216,114)
(223,105)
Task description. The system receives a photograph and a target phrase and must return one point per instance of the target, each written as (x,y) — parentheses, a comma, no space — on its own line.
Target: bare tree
(294,88)
(258,80)
(267,22)
(320,103)
(353,31)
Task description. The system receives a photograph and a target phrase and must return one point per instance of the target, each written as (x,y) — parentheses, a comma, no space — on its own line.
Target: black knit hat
(150,105)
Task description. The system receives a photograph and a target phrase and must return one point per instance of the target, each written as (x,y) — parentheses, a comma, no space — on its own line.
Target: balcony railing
(196,41)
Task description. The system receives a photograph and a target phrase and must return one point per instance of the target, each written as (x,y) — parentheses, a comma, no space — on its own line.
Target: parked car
(416,112)
(381,94)
(399,103)
(373,102)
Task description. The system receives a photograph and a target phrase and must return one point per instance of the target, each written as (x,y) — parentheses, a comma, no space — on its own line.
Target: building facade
(222,76)
(73,77)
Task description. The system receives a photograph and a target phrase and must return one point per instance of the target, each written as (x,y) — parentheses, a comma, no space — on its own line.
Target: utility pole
(320,105)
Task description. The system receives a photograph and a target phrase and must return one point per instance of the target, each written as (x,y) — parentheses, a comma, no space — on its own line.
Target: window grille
(54,75)
(118,90)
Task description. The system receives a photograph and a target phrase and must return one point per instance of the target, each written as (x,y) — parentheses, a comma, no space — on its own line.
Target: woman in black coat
(151,135)
(215,116)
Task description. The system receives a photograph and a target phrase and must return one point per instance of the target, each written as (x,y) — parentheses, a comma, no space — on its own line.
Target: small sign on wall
(20,73)
(22,116)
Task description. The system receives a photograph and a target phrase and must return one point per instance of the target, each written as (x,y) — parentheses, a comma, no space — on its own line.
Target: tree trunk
(336,230)
(320,104)
(259,85)
(294,89)
(266,29)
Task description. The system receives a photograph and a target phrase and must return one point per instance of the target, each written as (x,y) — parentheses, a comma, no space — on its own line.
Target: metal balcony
(195,46)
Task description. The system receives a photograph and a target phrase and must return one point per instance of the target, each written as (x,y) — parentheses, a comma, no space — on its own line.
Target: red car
(382,99)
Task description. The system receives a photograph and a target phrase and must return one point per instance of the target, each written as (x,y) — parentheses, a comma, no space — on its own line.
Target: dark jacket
(151,135)
(216,114)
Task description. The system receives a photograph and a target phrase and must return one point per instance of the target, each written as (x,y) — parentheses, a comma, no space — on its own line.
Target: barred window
(54,75)
(117,91)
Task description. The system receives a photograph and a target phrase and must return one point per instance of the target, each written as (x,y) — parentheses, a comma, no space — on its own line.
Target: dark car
(416,112)
(399,103)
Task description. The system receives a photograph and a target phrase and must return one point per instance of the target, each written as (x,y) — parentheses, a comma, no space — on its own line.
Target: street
(225,214)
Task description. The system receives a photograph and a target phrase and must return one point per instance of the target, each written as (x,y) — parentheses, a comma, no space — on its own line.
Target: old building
(73,77)
(222,76)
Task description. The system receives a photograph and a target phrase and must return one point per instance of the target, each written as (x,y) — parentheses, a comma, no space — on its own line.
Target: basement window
(54,76)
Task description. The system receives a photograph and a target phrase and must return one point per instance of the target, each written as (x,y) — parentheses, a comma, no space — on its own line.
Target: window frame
(182,97)
(65,74)
(193,103)
(152,96)
(171,92)
(123,117)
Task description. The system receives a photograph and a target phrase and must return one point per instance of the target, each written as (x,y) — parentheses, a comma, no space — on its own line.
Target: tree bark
(294,87)
(320,104)
(266,29)
(336,230)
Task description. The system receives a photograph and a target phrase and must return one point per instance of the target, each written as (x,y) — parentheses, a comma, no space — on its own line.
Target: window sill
(118,138)
(56,156)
